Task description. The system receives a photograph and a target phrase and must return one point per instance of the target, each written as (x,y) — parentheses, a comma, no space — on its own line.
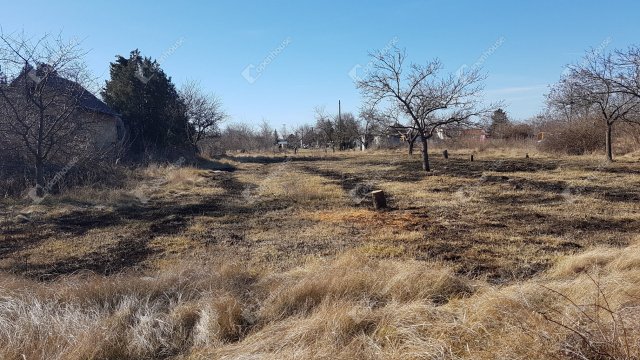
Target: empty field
(499,218)
(285,256)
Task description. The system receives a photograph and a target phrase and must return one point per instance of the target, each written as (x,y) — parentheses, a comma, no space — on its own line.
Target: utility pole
(339,127)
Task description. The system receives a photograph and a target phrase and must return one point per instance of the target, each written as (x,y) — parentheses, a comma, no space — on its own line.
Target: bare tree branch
(428,100)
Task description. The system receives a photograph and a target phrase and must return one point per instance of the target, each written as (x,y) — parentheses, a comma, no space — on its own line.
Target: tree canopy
(152,110)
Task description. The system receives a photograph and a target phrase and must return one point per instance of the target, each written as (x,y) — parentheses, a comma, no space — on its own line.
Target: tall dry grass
(144,183)
(587,306)
(126,316)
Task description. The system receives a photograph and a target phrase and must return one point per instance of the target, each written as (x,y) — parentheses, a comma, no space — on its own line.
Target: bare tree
(347,132)
(408,132)
(326,129)
(239,137)
(204,113)
(304,132)
(44,110)
(399,127)
(592,84)
(371,123)
(428,100)
(265,135)
(627,75)
(561,107)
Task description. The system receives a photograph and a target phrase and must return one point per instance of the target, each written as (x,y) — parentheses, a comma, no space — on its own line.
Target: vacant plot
(285,256)
(499,217)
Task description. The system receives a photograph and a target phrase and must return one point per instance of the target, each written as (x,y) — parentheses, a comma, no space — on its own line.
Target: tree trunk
(425,154)
(40,156)
(39,177)
(411,142)
(608,142)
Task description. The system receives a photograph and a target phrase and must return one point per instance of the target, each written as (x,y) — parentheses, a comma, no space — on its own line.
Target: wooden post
(471,157)
(379,200)
(527,156)
(445,154)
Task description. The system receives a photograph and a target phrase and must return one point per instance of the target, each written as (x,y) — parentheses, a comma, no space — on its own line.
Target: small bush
(577,137)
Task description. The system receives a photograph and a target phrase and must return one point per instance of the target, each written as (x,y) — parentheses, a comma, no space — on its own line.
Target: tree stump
(379,200)
(526,156)
(445,154)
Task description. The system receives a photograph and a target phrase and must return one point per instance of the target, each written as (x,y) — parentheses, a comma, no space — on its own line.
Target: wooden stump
(471,158)
(379,200)
(445,154)
(526,156)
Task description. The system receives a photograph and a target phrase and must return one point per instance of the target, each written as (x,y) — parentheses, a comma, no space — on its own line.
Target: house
(105,128)
(388,141)
(394,136)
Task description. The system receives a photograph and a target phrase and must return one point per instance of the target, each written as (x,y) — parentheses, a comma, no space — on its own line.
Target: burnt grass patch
(155,218)
(505,203)
(79,222)
(410,169)
(513,228)
(279,158)
(127,253)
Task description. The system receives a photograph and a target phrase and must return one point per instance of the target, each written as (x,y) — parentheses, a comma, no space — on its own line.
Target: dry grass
(505,257)
(351,307)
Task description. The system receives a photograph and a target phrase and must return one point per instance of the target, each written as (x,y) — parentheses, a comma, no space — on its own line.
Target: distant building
(388,141)
(106,127)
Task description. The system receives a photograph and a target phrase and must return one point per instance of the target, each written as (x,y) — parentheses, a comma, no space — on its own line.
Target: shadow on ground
(150,220)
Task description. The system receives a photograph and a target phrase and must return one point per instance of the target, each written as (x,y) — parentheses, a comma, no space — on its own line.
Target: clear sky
(278,60)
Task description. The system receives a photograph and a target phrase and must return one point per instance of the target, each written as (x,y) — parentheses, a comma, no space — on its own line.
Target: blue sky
(309,47)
